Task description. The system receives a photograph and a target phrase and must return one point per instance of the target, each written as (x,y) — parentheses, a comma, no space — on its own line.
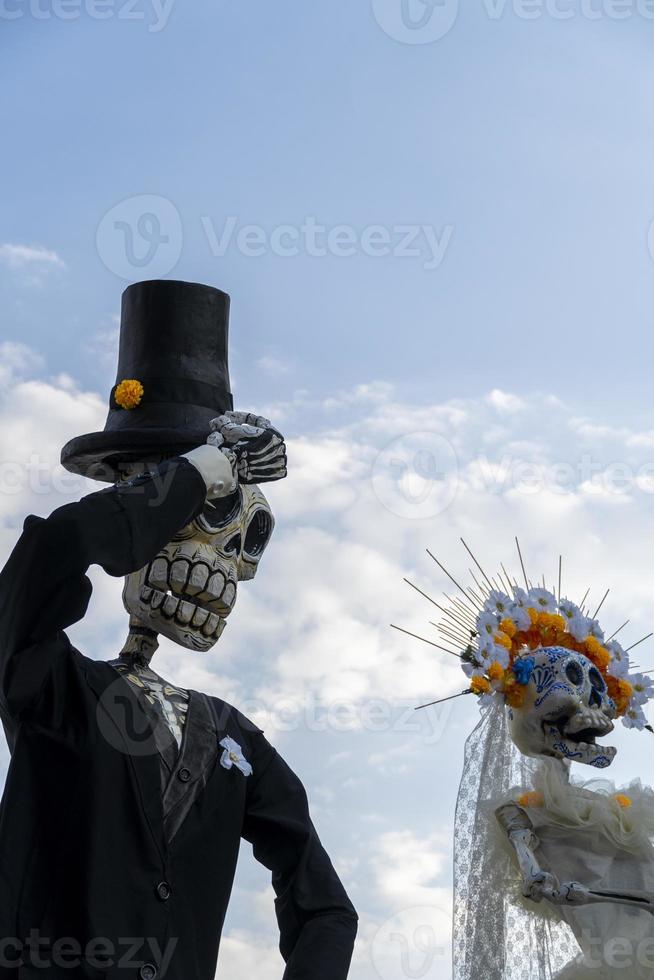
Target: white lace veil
(496,937)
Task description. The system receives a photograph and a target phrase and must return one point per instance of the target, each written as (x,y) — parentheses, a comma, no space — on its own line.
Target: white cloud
(408,869)
(243,955)
(19,256)
(16,361)
(504,402)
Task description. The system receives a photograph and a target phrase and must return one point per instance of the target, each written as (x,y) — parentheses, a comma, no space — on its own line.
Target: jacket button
(148,972)
(184,775)
(164,892)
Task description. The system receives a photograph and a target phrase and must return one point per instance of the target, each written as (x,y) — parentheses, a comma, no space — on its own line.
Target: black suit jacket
(93,882)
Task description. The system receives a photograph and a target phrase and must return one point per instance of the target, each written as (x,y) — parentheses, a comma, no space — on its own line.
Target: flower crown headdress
(495,625)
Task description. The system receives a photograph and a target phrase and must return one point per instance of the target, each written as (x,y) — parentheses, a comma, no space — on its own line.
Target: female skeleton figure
(554,878)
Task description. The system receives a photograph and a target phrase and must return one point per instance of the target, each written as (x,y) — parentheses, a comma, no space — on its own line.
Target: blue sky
(512,158)
(530,139)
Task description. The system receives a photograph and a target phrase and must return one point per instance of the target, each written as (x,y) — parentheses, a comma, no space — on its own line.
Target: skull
(187,591)
(566,709)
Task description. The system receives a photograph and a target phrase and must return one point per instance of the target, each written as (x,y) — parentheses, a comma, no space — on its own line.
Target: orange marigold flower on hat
(623,801)
(129,393)
(532,798)
(480,685)
(533,615)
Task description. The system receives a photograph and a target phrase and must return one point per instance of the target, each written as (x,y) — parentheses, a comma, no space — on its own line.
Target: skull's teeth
(591,720)
(182,612)
(197,581)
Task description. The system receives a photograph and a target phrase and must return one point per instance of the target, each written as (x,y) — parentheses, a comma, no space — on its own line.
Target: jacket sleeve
(44,587)
(317,921)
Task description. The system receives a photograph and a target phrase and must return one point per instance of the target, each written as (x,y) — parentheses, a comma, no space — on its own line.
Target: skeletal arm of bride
(539,884)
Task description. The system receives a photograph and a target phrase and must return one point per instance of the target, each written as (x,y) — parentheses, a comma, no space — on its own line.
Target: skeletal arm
(539,884)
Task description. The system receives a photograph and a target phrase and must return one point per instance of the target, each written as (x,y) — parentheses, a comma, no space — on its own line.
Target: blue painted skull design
(566,709)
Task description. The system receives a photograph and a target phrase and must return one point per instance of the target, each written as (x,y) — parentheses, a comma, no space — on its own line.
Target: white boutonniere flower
(233,756)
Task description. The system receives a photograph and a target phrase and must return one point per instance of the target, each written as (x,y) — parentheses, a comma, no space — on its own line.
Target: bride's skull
(567,707)
(189,588)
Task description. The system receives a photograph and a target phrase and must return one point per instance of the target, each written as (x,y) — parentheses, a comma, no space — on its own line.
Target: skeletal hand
(571,893)
(541,885)
(254,447)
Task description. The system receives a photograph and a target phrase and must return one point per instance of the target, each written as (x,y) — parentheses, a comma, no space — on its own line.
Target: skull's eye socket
(258,534)
(596,679)
(233,546)
(574,673)
(221,510)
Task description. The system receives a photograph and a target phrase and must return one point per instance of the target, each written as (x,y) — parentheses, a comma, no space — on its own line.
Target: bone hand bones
(539,884)
(254,447)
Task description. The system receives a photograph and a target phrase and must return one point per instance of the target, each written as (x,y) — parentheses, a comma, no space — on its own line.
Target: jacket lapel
(195,764)
(126,725)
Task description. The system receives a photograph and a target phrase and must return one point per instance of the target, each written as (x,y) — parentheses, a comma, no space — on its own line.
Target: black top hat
(173,378)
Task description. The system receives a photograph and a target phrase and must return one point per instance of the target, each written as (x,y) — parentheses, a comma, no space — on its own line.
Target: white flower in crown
(520,597)
(569,609)
(519,615)
(491,652)
(579,626)
(643,689)
(619,666)
(594,629)
(499,603)
(542,600)
(233,756)
(635,718)
(487,627)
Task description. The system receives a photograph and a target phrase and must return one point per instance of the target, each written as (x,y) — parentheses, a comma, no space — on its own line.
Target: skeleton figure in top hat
(554,878)
(127,796)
